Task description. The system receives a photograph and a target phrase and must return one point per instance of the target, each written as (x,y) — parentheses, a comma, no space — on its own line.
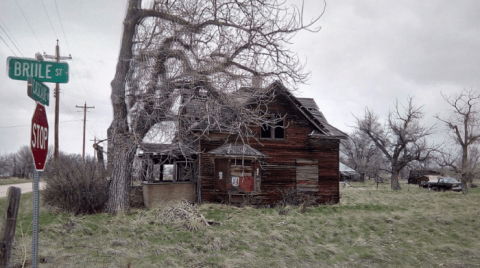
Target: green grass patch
(372,227)
(8,181)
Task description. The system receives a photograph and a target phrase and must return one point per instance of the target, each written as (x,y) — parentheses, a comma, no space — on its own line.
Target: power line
(49,19)
(68,112)
(77,74)
(11,41)
(8,46)
(80,96)
(79,120)
(13,37)
(61,23)
(68,47)
(29,25)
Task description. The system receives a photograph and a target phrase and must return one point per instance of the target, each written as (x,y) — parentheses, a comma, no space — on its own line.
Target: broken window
(277,131)
(167,173)
(154,171)
(184,171)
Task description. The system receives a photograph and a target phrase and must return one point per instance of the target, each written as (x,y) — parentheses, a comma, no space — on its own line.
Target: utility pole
(95,151)
(84,107)
(56,93)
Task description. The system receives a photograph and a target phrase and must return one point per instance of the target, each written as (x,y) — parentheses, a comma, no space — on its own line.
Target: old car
(444,184)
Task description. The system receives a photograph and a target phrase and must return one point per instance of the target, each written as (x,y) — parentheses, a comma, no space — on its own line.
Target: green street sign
(43,71)
(38,91)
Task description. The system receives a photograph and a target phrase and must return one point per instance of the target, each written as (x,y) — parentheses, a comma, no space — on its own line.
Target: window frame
(264,128)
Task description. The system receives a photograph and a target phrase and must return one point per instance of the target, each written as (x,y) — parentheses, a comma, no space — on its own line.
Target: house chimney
(257,81)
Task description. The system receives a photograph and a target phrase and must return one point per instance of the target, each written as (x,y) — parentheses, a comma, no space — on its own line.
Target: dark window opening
(174,172)
(277,132)
(266,131)
(184,171)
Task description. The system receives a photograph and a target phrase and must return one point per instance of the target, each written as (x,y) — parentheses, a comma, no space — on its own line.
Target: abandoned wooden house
(300,152)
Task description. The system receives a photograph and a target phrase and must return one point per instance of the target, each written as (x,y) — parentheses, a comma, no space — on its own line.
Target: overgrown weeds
(75,186)
(292,197)
(413,227)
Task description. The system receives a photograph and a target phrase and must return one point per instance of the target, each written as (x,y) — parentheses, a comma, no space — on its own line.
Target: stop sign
(39,137)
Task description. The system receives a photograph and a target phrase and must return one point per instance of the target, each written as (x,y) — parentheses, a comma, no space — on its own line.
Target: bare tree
(171,50)
(362,154)
(24,162)
(401,139)
(6,165)
(464,125)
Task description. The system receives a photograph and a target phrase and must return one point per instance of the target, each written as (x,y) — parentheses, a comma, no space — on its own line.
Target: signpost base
(36,205)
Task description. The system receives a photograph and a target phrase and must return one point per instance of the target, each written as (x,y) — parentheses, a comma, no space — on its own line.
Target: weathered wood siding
(279,170)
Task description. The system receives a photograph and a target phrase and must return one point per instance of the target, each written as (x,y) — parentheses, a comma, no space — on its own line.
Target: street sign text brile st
(43,71)
(39,137)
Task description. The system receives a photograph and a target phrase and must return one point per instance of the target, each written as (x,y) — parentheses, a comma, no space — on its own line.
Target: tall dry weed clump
(75,186)
(292,197)
(181,214)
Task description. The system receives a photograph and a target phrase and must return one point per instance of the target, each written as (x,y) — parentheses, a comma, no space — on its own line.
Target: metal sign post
(36,205)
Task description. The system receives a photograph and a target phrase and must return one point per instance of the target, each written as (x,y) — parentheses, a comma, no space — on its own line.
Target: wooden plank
(8,224)
(307,161)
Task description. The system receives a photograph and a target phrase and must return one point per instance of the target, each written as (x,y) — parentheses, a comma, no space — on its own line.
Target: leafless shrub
(75,186)
(292,197)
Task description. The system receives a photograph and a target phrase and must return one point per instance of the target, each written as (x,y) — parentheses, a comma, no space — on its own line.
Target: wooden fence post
(9,222)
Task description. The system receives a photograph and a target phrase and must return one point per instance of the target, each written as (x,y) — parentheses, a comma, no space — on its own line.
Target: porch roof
(237,150)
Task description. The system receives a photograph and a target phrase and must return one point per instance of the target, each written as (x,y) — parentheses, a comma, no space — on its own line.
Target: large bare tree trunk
(465,167)
(394,180)
(121,145)
(118,194)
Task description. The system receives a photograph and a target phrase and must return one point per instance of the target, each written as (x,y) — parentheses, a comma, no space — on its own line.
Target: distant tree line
(19,164)
(403,143)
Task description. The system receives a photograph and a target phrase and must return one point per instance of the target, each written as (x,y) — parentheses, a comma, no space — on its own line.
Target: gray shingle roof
(231,149)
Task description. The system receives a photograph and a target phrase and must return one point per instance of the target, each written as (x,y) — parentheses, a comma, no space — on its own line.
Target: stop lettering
(39,137)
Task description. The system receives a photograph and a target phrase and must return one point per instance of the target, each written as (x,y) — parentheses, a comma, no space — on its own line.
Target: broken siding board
(307,161)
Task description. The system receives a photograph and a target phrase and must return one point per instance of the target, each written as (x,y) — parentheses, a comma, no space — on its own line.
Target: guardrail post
(9,222)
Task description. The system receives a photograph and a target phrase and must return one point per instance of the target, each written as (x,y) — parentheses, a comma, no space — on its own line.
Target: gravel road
(25,187)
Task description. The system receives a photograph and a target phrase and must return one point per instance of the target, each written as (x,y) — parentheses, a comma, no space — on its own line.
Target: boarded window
(242,177)
(307,175)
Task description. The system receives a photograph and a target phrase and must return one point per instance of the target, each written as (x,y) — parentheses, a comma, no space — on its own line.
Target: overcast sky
(368,53)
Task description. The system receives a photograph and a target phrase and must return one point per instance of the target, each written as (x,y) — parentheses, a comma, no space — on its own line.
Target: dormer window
(202,94)
(275,130)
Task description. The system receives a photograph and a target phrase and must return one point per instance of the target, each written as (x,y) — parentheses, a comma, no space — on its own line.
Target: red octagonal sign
(39,137)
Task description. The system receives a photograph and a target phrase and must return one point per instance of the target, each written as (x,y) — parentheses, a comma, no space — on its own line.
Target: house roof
(343,167)
(346,170)
(310,110)
(242,97)
(169,149)
(249,96)
(243,150)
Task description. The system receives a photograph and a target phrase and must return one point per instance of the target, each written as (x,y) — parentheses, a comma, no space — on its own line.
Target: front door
(222,172)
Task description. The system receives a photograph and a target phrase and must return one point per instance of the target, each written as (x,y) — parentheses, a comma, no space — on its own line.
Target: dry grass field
(370,227)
